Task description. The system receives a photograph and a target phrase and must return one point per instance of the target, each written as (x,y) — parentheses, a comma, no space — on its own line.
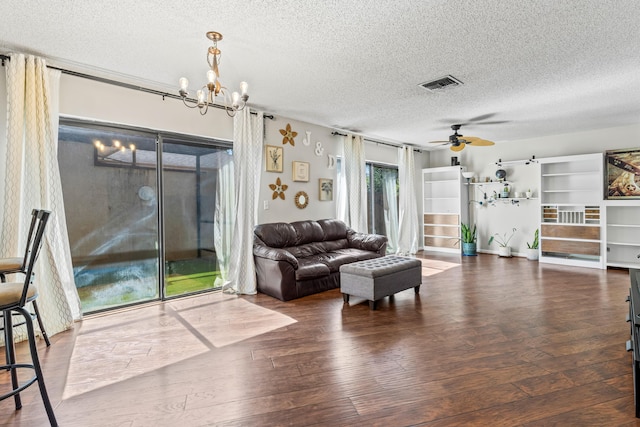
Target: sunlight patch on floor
(431,267)
(122,345)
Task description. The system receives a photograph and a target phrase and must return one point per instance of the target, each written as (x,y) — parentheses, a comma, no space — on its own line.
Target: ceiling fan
(458,141)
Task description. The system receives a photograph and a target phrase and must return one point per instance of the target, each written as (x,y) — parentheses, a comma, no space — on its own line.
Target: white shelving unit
(571,212)
(445,204)
(623,234)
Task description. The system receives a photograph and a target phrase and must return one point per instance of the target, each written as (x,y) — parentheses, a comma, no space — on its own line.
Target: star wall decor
(288,135)
(278,189)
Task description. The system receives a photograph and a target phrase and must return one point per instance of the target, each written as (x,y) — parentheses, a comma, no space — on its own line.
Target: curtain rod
(125,85)
(417,150)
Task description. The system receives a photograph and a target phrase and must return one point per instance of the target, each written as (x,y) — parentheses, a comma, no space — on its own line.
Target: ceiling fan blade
(471,139)
(481,117)
(482,142)
(458,147)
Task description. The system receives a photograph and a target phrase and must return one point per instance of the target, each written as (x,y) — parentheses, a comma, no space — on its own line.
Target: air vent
(445,82)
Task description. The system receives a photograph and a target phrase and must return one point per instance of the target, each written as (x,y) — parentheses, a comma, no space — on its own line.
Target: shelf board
(636,245)
(595,173)
(492,183)
(568,190)
(621,264)
(569,239)
(624,225)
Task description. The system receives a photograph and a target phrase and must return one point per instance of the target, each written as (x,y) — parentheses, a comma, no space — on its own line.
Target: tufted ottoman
(377,278)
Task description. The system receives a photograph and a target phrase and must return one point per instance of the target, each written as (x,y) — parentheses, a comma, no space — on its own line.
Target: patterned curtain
(31,179)
(408,232)
(248,139)
(356,184)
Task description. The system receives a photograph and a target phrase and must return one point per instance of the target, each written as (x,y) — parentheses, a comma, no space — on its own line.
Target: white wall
(525,217)
(96,101)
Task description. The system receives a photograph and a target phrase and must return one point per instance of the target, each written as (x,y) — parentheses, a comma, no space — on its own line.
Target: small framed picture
(301,171)
(274,158)
(326,189)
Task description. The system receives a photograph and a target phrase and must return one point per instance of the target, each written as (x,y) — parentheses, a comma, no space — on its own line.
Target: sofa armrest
(274,254)
(368,242)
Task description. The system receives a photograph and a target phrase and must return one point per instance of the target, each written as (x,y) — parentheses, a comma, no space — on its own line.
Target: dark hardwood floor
(487,342)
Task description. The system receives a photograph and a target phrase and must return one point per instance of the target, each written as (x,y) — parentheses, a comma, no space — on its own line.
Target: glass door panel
(109,190)
(195,176)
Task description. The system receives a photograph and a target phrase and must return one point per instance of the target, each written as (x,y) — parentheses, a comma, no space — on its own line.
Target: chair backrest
(34,244)
(32,226)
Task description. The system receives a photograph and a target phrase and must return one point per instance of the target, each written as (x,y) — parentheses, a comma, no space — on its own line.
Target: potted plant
(504,250)
(469,237)
(532,248)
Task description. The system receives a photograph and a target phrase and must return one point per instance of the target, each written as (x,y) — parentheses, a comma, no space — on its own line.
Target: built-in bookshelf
(571,210)
(445,205)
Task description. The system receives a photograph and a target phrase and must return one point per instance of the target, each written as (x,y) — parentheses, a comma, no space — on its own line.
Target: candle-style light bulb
(200,95)
(235,100)
(244,87)
(184,83)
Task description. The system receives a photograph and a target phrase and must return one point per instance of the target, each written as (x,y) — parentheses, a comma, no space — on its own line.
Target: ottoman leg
(372,305)
(417,289)
(345,297)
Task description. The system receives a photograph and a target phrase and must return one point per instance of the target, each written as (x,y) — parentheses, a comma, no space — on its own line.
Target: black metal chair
(19,265)
(13,298)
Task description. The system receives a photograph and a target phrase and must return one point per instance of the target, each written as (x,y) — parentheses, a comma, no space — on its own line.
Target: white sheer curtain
(408,230)
(389,194)
(31,179)
(224,215)
(353,167)
(248,138)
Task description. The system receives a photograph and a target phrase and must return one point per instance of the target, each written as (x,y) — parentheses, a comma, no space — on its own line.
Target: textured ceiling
(546,67)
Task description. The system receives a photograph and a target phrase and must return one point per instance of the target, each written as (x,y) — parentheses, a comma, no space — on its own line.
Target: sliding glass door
(194,175)
(143,213)
(110,196)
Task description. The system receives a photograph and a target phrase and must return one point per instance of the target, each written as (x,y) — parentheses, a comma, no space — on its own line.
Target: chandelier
(207,94)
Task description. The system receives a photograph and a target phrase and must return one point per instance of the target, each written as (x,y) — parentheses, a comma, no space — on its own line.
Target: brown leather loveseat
(302,258)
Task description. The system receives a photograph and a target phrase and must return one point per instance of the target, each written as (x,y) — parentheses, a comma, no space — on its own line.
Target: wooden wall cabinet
(445,206)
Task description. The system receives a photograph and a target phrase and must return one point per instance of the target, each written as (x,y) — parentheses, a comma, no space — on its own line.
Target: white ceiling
(545,66)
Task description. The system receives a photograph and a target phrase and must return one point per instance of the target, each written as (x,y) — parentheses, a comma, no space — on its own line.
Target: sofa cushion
(311,267)
(307,232)
(334,260)
(364,241)
(333,229)
(307,250)
(360,254)
(332,245)
(277,234)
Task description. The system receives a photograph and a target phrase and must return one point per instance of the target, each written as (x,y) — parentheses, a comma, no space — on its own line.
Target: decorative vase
(528,194)
(469,249)
(504,251)
(532,254)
